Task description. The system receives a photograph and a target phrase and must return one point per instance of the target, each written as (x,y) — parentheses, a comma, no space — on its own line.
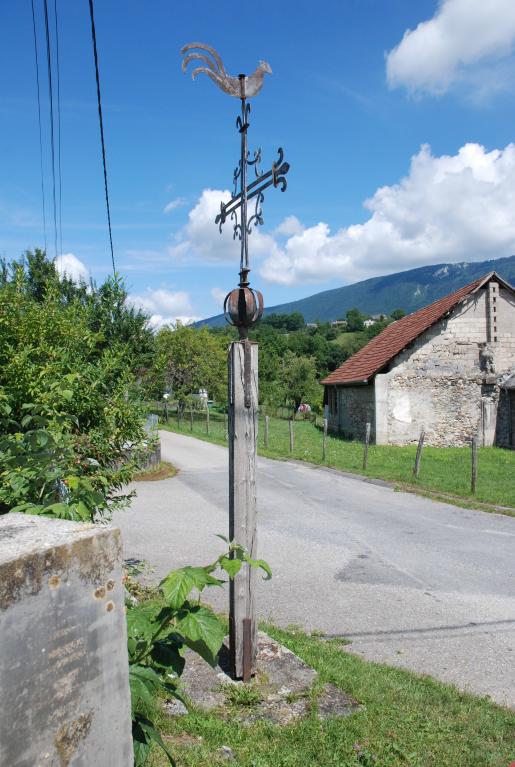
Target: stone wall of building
(442,382)
(355,408)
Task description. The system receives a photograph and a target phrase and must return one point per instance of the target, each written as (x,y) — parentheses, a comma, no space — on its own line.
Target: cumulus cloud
(173,204)
(72,267)
(218,296)
(165,307)
(448,208)
(201,238)
(464,42)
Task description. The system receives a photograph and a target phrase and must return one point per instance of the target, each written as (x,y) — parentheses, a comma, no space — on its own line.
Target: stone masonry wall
(355,409)
(439,382)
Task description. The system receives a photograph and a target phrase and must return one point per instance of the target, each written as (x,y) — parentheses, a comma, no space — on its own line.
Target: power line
(101,122)
(39,121)
(52,142)
(58,129)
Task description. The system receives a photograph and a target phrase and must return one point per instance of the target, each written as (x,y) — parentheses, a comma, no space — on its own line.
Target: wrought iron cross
(243,306)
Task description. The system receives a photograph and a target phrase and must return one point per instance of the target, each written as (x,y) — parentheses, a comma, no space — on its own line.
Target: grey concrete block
(63,645)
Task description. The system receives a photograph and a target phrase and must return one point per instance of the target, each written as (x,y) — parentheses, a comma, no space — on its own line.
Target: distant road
(411,582)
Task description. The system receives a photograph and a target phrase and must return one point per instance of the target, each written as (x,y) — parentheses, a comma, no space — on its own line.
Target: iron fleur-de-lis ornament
(243,306)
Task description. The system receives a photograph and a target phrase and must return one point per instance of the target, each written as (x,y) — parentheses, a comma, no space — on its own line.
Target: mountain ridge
(409,290)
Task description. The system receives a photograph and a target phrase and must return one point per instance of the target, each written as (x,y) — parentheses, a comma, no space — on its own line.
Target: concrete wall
(440,383)
(63,658)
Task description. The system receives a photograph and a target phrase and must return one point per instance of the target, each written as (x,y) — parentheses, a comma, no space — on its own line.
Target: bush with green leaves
(158,631)
(72,424)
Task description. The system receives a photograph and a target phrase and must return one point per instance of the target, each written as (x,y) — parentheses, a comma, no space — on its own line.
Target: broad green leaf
(167,655)
(231,566)
(202,631)
(138,624)
(144,683)
(143,732)
(262,565)
(179,583)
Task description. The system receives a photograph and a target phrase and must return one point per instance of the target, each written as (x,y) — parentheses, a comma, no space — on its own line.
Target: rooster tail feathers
(210,58)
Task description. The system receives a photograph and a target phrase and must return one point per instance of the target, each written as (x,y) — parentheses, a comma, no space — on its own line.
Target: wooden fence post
(292,436)
(191,419)
(243,427)
(266,431)
(207,419)
(416,468)
(324,441)
(365,451)
(473,478)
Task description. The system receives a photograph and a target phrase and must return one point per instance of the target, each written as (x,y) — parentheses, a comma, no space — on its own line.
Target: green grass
(443,470)
(406,720)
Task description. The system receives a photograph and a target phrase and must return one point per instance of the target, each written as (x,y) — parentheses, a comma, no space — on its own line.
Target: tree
(189,359)
(398,314)
(298,380)
(354,320)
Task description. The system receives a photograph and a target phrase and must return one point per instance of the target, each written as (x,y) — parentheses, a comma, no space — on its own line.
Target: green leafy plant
(160,629)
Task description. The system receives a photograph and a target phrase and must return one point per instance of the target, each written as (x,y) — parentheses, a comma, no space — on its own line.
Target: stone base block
(63,645)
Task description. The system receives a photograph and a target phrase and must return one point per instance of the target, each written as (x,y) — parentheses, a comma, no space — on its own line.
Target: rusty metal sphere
(243,307)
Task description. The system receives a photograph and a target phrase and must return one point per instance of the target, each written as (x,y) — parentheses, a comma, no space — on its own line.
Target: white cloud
(448,208)
(218,296)
(200,237)
(165,307)
(291,225)
(72,267)
(464,42)
(173,204)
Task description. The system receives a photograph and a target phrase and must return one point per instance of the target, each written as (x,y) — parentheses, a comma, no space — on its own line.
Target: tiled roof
(396,336)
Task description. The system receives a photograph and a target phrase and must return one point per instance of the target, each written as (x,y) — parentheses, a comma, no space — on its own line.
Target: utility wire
(99,102)
(39,121)
(58,130)
(52,141)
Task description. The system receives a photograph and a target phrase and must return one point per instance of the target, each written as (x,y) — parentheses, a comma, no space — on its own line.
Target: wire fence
(487,474)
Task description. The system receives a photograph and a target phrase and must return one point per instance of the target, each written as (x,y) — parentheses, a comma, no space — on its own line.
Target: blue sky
(409,106)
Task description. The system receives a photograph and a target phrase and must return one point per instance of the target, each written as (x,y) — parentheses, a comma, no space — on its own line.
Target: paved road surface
(411,582)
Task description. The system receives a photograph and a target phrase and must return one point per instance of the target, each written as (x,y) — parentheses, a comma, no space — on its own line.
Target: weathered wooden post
(243,307)
(365,449)
(292,435)
(473,477)
(416,468)
(324,441)
(267,420)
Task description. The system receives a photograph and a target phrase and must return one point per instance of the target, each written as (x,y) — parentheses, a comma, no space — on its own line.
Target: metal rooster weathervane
(243,306)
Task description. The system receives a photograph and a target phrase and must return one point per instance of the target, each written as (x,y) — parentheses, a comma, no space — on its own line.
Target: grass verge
(164,470)
(443,470)
(406,719)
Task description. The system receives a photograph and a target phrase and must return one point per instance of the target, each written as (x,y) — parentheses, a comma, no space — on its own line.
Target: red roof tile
(396,336)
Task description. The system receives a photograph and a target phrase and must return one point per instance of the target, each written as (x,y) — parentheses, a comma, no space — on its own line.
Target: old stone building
(448,368)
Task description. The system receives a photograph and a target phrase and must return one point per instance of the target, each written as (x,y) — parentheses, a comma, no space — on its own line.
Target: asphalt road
(409,581)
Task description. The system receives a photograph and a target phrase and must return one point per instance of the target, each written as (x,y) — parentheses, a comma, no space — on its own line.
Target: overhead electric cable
(39,122)
(50,92)
(58,73)
(99,102)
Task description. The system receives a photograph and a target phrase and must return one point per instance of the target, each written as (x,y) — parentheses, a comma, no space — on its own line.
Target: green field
(443,470)
(347,341)
(407,720)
